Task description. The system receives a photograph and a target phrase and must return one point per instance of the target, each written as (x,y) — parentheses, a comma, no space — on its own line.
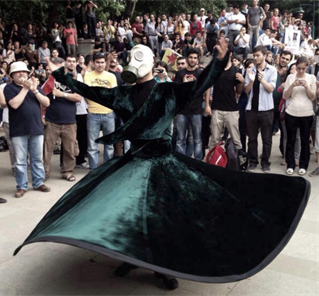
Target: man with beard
(284,60)
(192,114)
(260,83)
(61,123)
(24,100)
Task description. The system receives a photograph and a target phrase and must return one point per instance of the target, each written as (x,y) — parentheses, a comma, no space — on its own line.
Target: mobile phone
(159,70)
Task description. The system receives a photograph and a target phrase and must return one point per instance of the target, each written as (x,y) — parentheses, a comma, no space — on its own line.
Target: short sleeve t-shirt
(224,97)
(61,110)
(71,38)
(26,120)
(196,106)
(104,79)
(138,28)
(254,15)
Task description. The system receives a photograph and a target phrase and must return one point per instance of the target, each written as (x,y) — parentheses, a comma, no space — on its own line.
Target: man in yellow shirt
(99,117)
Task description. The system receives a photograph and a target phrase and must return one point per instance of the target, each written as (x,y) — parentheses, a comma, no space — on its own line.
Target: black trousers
(304,124)
(79,26)
(243,128)
(81,136)
(91,21)
(262,120)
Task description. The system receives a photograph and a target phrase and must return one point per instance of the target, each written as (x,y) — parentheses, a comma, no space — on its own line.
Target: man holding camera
(192,114)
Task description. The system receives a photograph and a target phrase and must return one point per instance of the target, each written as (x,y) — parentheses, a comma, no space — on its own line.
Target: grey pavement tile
(8,209)
(149,290)
(312,211)
(295,266)
(308,226)
(18,217)
(182,292)
(8,246)
(269,282)
(6,290)
(207,289)
(303,245)
(20,230)
(39,266)
(42,205)
(90,279)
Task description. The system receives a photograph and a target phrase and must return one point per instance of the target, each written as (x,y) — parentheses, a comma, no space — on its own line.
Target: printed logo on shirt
(101,82)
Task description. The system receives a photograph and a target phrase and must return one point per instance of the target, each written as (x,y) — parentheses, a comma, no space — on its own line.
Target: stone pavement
(56,269)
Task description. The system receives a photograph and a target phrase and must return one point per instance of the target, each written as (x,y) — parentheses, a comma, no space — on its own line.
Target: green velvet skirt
(178,216)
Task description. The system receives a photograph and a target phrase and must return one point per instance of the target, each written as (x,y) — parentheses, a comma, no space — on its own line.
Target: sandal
(69,178)
(314,173)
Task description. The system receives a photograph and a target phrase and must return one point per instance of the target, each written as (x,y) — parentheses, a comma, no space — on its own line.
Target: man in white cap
(202,17)
(24,100)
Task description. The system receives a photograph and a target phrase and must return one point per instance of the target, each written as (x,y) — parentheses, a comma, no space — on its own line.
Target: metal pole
(313,19)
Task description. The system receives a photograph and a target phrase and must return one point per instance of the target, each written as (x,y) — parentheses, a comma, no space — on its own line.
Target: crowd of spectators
(271,89)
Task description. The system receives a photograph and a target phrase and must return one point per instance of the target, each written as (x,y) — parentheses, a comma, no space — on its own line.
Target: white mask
(140,63)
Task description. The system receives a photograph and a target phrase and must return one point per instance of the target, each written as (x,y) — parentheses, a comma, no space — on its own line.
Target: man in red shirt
(71,38)
(137,30)
(195,26)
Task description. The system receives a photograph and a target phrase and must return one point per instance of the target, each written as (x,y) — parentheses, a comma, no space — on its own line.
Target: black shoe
(266,169)
(124,269)
(170,282)
(251,167)
(2,200)
(314,173)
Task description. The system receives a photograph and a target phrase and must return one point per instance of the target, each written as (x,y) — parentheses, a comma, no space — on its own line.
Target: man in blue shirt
(24,100)
(210,35)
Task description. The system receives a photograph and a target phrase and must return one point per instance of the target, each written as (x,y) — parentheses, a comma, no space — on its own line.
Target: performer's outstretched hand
(52,66)
(222,48)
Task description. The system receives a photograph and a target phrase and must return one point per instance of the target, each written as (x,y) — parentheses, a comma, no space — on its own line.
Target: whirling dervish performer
(161,210)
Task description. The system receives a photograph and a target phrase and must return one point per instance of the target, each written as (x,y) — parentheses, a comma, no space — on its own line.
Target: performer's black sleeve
(186,92)
(100,95)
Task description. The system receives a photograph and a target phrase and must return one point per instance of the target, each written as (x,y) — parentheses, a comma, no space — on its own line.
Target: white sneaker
(290,171)
(208,54)
(302,172)
(83,165)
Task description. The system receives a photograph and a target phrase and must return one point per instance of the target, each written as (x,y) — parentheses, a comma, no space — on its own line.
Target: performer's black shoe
(124,269)
(170,282)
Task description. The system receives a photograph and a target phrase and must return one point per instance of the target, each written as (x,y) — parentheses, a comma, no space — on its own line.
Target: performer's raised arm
(101,95)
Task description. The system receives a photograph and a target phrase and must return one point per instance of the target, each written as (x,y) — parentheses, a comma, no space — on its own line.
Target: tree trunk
(52,15)
(128,8)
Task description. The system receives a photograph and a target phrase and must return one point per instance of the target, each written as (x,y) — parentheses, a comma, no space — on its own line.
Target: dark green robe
(164,211)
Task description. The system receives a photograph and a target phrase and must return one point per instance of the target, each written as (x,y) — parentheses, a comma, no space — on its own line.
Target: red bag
(217,156)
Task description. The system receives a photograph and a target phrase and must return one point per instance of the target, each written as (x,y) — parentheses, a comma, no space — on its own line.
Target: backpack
(217,156)
(3,144)
(237,159)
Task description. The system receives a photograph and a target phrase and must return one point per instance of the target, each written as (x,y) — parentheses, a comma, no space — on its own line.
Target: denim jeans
(34,145)
(242,50)
(182,124)
(95,123)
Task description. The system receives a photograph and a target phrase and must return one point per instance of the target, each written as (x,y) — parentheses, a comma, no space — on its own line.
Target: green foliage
(171,7)
(109,9)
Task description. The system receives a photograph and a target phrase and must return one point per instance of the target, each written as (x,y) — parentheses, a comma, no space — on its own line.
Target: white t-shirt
(196,41)
(300,105)
(264,40)
(233,17)
(186,26)
(82,106)
(241,42)
(202,20)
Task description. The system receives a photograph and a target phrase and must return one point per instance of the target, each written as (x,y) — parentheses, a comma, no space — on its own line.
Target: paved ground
(56,269)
